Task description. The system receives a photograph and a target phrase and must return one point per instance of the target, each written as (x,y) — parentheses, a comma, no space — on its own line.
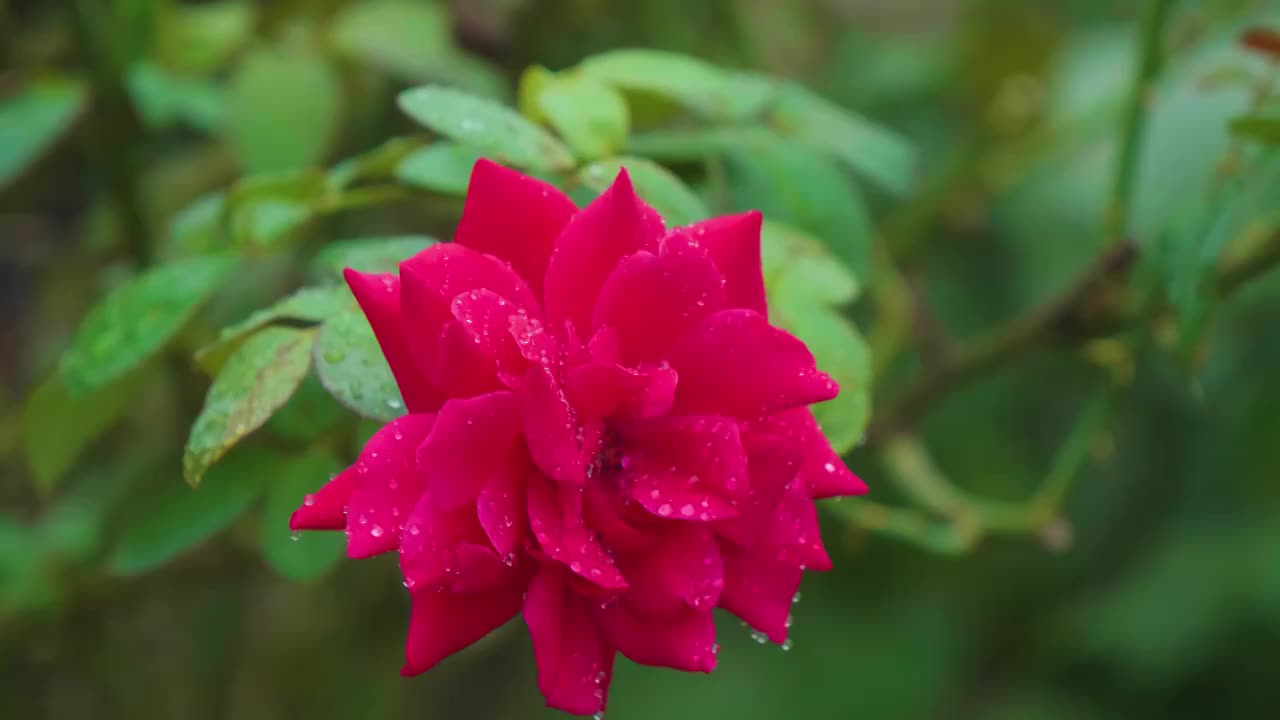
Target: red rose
(604,432)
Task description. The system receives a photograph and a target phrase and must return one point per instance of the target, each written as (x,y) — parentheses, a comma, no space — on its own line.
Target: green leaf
(298,556)
(591,116)
(658,186)
(792,183)
(267,209)
(496,131)
(33,118)
(703,88)
(691,144)
(282,110)
(138,318)
(412,40)
(307,306)
(200,39)
(164,99)
(805,285)
(1262,128)
(310,413)
(257,380)
(444,167)
(57,426)
(177,517)
(351,367)
(375,254)
(376,164)
(875,152)
(197,228)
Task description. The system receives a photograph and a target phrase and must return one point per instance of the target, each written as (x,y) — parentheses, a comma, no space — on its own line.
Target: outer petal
(825,474)
(431,280)
(733,241)
(652,300)
(552,427)
(473,443)
(443,623)
(388,485)
(737,364)
(614,225)
(685,641)
(759,589)
(683,570)
(514,217)
(575,661)
(379,298)
(326,509)
(772,465)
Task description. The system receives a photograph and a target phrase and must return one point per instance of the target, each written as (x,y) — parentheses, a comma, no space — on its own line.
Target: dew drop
(664,509)
(376,531)
(294,536)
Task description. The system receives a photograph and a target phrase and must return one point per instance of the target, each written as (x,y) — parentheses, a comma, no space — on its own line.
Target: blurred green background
(1143,580)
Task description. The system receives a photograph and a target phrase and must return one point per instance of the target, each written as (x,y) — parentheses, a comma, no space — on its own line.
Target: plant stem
(1084,309)
(1150,58)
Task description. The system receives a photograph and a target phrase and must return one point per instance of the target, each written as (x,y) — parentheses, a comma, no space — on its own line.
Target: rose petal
(733,241)
(685,641)
(326,508)
(606,513)
(461,369)
(552,428)
(388,485)
(687,468)
(759,590)
(501,512)
(514,217)
(825,474)
(772,463)
(556,519)
(430,543)
(681,570)
(737,364)
(487,318)
(431,280)
(443,623)
(652,300)
(379,297)
(575,661)
(614,225)
(472,442)
(598,389)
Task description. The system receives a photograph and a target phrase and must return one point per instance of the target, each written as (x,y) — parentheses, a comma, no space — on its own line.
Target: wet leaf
(138,318)
(378,163)
(496,131)
(306,306)
(255,382)
(350,365)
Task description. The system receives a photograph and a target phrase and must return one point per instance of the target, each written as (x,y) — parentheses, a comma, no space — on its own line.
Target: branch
(1086,309)
(1150,58)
